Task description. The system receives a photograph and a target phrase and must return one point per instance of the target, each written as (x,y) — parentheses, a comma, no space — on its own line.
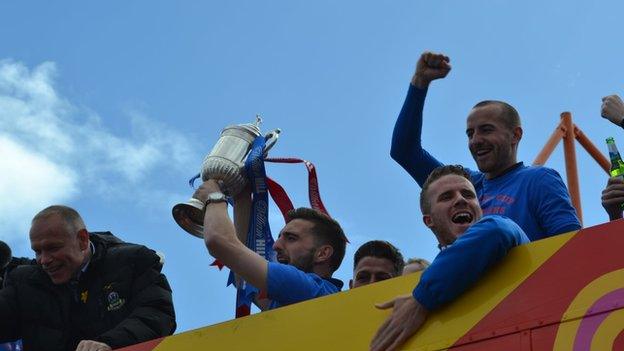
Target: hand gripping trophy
(225,163)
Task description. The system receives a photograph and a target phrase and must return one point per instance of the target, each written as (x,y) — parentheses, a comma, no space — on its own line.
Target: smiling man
(470,244)
(87,292)
(374,261)
(534,197)
(309,249)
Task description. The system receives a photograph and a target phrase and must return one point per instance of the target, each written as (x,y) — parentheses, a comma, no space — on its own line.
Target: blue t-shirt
(461,264)
(287,285)
(534,197)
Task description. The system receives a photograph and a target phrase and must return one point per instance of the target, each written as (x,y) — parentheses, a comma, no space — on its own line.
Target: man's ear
(83,239)
(517,134)
(428,221)
(323,253)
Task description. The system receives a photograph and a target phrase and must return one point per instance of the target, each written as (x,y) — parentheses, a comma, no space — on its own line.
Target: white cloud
(49,147)
(28,181)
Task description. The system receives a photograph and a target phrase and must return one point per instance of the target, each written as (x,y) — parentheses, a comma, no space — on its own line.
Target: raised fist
(612,109)
(430,66)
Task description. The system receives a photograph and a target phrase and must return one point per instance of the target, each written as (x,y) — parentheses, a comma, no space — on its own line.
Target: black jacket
(15,261)
(121,299)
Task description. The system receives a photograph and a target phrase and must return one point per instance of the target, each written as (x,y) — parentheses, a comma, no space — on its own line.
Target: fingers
(380,335)
(207,187)
(614,192)
(386,335)
(433,60)
(90,345)
(400,340)
(611,197)
(385,305)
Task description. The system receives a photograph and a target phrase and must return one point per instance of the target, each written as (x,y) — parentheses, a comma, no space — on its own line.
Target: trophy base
(190,216)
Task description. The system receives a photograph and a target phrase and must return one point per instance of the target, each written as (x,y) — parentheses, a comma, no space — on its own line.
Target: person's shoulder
(538,171)
(109,242)
(286,268)
(105,238)
(116,251)
(26,273)
(286,271)
(541,176)
(475,176)
(497,221)
(503,225)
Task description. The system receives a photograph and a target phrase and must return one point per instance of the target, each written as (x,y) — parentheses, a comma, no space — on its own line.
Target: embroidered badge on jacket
(114,301)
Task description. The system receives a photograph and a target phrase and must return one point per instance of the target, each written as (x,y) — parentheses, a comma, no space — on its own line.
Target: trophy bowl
(226,164)
(190,216)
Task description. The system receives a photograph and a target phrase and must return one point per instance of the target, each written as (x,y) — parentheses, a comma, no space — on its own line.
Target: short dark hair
(509,115)
(71,217)
(437,173)
(327,231)
(380,249)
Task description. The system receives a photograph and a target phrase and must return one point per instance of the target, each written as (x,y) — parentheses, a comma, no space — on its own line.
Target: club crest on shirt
(115,301)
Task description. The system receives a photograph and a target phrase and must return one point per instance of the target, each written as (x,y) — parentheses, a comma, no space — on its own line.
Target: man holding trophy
(308,250)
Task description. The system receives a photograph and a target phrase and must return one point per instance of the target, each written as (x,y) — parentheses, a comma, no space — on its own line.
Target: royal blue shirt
(287,285)
(461,264)
(535,197)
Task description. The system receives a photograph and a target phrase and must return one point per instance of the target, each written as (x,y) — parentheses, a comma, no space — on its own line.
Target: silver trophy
(226,164)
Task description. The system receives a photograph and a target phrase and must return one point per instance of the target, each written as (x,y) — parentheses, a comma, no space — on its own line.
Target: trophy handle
(271,139)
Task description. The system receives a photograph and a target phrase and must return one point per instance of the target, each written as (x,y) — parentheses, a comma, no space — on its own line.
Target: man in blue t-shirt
(470,244)
(309,249)
(534,197)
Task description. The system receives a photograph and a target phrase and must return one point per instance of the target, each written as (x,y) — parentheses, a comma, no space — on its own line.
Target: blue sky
(110,108)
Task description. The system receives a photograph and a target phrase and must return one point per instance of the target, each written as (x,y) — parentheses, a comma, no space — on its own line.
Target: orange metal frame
(568,131)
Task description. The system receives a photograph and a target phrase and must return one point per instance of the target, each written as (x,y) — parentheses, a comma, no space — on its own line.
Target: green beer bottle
(617,165)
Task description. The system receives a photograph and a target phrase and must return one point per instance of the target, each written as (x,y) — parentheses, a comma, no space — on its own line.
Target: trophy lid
(251,128)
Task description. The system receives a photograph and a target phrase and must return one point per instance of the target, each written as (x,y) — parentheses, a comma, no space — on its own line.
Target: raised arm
(222,242)
(406,148)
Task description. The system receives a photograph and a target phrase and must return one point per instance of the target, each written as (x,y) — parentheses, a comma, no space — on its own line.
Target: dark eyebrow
(470,191)
(289,234)
(445,193)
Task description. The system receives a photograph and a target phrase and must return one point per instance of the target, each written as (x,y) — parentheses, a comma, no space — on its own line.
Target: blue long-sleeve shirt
(534,197)
(461,264)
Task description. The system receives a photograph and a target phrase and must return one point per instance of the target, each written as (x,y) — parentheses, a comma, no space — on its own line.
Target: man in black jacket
(88,291)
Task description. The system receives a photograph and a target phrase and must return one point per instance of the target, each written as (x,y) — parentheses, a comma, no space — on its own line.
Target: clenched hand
(430,66)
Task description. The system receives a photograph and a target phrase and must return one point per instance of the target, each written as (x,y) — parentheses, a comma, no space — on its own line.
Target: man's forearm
(223,244)
(406,148)
(219,231)
(484,244)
